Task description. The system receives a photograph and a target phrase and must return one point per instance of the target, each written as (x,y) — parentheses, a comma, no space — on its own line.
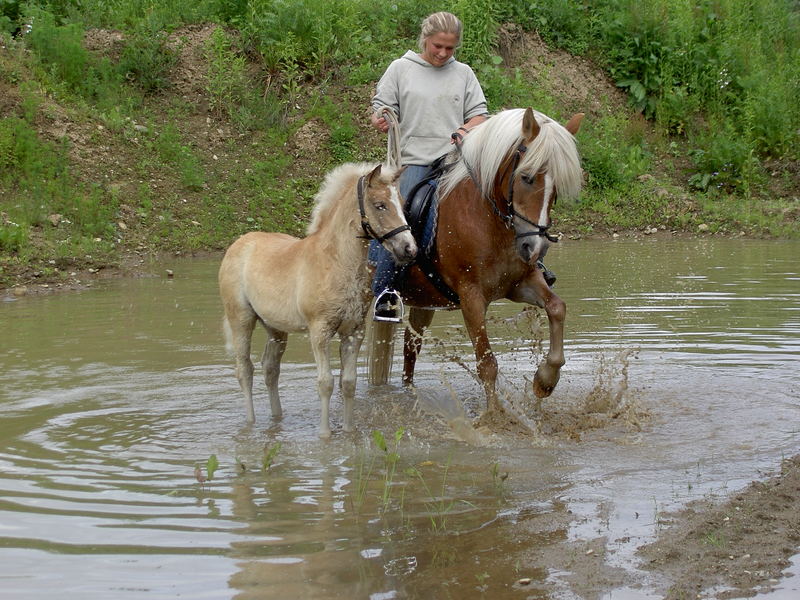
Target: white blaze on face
(542,221)
(395,198)
(549,189)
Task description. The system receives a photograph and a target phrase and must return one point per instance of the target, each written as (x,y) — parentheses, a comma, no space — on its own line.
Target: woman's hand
(380,123)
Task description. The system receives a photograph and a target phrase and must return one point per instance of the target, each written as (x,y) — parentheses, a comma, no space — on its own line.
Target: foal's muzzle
(402,246)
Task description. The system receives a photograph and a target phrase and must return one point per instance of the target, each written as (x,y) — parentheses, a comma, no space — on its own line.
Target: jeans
(387,273)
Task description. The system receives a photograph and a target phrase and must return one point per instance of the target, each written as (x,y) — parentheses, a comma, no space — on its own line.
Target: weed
(212,464)
(146,58)
(269,456)
(390,458)
(715,539)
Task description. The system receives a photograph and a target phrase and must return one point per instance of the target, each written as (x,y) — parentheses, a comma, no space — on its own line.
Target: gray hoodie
(430,102)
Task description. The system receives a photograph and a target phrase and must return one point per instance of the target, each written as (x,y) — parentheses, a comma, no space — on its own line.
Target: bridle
(369,232)
(511,213)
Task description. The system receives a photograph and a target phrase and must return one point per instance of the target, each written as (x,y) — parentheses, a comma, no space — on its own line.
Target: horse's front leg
(348,352)
(418,320)
(534,290)
(320,345)
(473,307)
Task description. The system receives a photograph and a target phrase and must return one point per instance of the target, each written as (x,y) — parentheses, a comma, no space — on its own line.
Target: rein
(369,232)
(511,213)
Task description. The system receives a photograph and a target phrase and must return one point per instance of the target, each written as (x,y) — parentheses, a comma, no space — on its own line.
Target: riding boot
(549,276)
(388,307)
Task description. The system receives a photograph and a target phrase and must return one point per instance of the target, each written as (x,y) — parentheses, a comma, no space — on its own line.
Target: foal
(318,284)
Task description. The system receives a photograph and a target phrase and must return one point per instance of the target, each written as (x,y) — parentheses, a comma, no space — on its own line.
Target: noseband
(511,213)
(369,232)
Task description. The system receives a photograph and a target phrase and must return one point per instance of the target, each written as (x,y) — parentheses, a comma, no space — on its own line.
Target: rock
(55,219)
(170,274)
(20,290)
(122,226)
(702,227)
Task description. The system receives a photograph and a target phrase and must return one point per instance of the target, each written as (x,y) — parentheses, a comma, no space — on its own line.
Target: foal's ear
(398,173)
(574,123)
(374,173)
(530,126)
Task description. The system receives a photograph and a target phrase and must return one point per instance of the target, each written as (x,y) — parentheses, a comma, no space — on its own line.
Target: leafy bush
(146,58)
(60,50)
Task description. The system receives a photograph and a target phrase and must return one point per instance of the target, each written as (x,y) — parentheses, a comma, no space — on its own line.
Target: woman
(433,96)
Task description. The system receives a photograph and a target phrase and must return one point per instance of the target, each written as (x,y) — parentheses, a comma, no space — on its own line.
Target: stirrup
(388,307)
(549,276)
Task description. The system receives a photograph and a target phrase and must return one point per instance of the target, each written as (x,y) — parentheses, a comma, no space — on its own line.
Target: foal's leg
(348,353)
(473,307)
(271,363)
(239,332)
(418,320)
(320,341)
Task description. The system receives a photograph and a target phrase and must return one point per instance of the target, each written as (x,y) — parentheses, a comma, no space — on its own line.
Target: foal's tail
(381,351)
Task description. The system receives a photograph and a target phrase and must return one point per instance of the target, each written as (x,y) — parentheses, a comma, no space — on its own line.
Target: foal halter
(369,232)
(511,213)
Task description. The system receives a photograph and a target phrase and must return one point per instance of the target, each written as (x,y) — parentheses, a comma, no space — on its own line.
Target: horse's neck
(341,235)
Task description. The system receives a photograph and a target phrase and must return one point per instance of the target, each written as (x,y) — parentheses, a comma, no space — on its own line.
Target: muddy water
(681,382)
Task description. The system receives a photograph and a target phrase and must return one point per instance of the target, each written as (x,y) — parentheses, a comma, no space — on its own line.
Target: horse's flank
(488,145)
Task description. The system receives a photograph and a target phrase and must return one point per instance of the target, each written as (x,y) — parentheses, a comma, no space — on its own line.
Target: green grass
(715,82)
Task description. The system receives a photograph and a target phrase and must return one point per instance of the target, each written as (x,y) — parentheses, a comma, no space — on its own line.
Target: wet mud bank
(739,545)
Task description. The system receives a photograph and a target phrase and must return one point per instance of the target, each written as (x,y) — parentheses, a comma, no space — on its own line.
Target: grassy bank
(132,128)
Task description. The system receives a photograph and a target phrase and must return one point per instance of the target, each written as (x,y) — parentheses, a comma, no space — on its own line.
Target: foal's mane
(489,144)
(333,191)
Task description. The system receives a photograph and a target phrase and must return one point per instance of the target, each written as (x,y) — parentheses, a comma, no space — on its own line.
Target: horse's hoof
(540,390)
(325,434)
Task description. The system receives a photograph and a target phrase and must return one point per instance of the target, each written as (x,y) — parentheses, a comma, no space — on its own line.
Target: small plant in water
(390,458)
(269,456)
(211,467)
(441,506)
(498,479)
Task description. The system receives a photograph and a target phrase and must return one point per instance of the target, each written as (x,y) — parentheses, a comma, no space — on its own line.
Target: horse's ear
(574,123)
(374,173)
(398,173)
(530,126)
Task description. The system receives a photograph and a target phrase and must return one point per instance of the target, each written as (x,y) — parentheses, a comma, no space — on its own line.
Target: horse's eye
(528,179)
(380,206)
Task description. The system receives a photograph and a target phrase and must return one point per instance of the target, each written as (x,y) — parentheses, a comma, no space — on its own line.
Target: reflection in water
(110,398)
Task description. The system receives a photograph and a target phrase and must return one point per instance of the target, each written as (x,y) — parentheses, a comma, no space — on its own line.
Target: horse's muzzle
(531,248)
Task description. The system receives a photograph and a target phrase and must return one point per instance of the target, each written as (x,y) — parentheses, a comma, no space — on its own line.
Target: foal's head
(382,215)
(544,165)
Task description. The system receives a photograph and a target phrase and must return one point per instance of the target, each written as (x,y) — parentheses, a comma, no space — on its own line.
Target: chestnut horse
(318,284)
(492,227)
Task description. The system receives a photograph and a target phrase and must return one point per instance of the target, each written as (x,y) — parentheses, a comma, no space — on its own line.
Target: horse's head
(382,216)
(542,163)
(538,168)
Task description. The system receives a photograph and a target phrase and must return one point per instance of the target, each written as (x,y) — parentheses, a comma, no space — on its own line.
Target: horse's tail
(381,351)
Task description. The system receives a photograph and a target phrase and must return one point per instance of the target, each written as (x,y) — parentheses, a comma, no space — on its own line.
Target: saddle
(421,211)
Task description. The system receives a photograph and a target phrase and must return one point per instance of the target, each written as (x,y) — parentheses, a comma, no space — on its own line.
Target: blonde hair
(440,22)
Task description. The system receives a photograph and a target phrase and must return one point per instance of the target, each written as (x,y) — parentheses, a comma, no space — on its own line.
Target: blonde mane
(333,189)
(487,145)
